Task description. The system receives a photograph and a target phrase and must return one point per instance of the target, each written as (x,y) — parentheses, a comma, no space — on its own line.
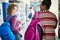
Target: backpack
(34,30)
(6,32)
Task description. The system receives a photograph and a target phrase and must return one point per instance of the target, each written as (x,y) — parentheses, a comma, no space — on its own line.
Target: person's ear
(44,6)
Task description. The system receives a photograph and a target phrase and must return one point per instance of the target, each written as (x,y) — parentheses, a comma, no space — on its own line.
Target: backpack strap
(37,15)
(9,18)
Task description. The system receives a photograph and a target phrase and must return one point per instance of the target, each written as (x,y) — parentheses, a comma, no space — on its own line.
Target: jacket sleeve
(14,24)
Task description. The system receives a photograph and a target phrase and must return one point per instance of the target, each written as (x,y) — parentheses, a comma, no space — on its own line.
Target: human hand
(19,22)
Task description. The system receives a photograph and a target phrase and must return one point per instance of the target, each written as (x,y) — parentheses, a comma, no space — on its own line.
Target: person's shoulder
(52,14)
(14,17)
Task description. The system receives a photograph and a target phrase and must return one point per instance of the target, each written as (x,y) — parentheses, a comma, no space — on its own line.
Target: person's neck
(11,14)
(44,10)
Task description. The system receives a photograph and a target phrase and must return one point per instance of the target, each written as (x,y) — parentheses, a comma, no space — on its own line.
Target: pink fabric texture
(14,23)
(36,14)
(31,32)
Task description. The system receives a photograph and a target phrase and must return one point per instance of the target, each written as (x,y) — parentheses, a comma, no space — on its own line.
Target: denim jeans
(18,36)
